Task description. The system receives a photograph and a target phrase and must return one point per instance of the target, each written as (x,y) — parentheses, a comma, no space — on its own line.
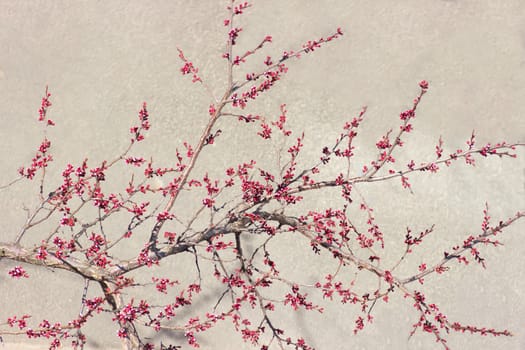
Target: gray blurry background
(101,59)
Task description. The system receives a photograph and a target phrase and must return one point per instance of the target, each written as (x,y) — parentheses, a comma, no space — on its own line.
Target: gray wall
(101,59)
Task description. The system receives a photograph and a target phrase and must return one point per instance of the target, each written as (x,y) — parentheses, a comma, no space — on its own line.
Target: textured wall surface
(101,59)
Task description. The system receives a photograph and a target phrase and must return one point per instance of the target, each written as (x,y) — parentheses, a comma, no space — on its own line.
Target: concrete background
(101,59)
